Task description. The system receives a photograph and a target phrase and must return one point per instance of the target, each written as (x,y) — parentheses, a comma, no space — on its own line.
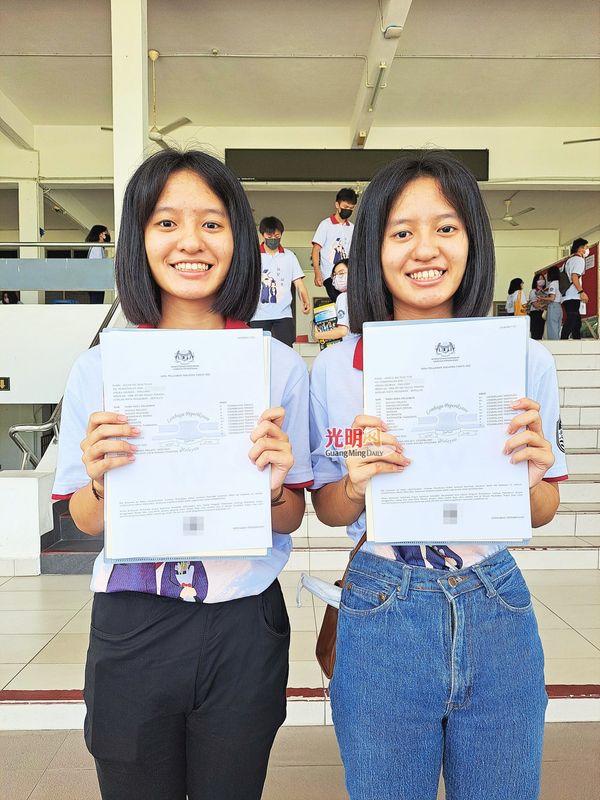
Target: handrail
(53,424)
(4,245)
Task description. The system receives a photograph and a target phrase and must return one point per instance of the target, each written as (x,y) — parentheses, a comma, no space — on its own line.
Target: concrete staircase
(572,539)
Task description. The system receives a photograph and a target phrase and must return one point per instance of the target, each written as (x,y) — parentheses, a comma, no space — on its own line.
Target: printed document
(192,491)
(445,390)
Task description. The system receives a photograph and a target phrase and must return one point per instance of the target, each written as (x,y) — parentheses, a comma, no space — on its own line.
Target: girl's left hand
(272,446)
(534,448)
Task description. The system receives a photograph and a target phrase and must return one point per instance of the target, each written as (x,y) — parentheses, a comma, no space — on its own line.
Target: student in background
(99,235)
(554,313)
(339,278)
(10,299)
(332,239)
(279,271)
(537,305)
(516,302)
(574,296)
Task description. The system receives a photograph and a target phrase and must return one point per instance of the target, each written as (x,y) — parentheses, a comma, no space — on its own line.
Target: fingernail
(515,403)
(512,461)
(400,469)
(122,418)
(509,429)
(133,447)
(505,452)
(135,430)
(131,458)
(408,461)
(399,449)
(385,427)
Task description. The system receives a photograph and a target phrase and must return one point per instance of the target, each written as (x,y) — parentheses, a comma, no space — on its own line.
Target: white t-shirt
(277,273)
(96,252)
(553,288)
(335,240)
(341,307)
(510,301)
(336,398)
(575,264)
(214,581)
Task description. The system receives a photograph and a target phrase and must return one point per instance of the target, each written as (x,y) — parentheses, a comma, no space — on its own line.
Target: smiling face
(189,242)
(424,252)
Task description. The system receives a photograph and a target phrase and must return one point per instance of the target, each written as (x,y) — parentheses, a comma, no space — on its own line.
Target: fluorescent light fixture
(378,85)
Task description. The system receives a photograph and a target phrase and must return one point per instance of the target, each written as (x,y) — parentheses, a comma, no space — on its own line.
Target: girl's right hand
(361,470)
(102,427)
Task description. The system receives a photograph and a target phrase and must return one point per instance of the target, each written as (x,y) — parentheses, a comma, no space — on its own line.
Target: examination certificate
(445,390)
(192,490)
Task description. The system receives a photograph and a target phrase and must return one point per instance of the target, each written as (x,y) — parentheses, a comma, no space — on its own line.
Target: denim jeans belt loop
(489,588)
(402,589)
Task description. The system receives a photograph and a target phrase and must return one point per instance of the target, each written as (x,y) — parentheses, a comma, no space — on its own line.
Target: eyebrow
(438,218)
(171,209)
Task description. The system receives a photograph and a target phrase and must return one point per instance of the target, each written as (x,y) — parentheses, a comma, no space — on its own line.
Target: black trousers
(330,289)
(572,323)
(185,698)
(282,329)
(536,324)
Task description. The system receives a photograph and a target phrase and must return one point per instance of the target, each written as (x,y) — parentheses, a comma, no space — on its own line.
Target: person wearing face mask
(99,235)
(279,270)
(331,242)
(538,302)
(574,296)
(339,278)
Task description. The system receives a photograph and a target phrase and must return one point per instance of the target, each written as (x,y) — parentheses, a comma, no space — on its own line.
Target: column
(129,34)
(31,220)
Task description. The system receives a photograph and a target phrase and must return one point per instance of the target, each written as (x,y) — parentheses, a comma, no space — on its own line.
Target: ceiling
(223,91)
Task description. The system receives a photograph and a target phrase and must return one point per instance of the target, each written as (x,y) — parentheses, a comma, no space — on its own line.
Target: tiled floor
(305,765)
(44,622)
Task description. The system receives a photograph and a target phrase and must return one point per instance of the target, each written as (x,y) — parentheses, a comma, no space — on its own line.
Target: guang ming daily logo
(184,357)
(445,349)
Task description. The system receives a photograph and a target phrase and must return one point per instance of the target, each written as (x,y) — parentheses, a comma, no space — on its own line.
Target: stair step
(71,556)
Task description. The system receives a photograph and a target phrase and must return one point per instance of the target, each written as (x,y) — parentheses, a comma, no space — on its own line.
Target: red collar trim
(230,324)
(333,219)
(263,249)
(357,363)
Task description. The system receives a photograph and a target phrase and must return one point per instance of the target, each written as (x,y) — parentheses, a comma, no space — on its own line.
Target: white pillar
(129,36)
(31,220)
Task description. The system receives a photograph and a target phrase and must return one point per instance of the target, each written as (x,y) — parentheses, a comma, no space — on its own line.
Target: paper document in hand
(445,390)
(192,491)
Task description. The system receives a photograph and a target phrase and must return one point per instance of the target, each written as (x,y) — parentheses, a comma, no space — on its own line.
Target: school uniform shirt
(336,398)
(553,288)
(213,581)
(510,300)
(335,240)
(277,274)
(96,252)
(575,264)
(341,307)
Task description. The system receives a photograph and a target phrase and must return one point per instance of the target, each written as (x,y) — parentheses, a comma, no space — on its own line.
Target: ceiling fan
(157,134)
(510,218)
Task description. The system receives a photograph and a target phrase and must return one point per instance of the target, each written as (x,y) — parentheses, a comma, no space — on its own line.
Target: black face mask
(107,237)
(346,213)
(273,244)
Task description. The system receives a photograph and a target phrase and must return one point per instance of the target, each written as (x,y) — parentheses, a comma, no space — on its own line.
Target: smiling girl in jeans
(439,662)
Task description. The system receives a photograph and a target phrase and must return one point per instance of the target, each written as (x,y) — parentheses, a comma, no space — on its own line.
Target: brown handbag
(328,634)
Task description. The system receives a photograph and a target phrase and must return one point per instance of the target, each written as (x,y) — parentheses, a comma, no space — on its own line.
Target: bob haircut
(537,278)
(139,293)
(515,284)
(94,234)
(369,299)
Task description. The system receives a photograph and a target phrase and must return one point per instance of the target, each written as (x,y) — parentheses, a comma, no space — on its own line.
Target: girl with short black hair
(439,664)
(184,698)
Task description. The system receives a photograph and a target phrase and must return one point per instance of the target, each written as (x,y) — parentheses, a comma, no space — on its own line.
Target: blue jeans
(554,320)
(439,669)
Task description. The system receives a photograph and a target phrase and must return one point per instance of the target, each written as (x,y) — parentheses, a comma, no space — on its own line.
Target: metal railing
(86,245)
(53,424)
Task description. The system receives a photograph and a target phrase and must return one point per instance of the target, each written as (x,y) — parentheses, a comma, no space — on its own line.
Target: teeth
(187,267)
(426,275)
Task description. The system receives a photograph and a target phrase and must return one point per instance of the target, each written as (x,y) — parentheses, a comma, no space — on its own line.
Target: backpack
(564,282)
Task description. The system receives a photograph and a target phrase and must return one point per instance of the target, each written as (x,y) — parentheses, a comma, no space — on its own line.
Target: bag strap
(361,541)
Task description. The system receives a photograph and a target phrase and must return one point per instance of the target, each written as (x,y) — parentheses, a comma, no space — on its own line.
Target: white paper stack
(445,390)
(192,493)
